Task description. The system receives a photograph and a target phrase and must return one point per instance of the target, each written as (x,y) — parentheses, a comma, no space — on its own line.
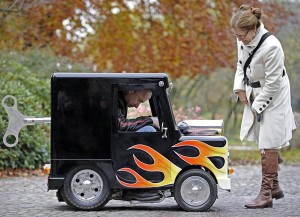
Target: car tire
(195,190)
(86,188)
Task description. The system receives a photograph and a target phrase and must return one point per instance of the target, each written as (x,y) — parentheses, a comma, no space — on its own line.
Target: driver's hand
(155,122)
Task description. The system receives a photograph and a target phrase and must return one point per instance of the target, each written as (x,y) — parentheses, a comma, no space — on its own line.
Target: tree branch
(22,6)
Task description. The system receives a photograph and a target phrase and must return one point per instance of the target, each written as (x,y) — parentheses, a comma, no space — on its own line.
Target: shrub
(33,96)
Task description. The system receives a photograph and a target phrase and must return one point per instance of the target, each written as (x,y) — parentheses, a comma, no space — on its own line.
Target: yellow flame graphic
(205,151)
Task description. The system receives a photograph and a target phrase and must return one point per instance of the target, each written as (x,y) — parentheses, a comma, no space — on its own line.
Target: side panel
(81,120)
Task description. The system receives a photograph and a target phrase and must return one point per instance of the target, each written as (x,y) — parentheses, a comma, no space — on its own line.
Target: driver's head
(134,98)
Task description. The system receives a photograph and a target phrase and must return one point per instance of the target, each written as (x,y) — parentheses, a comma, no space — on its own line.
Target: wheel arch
(196,167)
(56,179)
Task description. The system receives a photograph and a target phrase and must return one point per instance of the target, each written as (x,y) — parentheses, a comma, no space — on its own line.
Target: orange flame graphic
(160,164)
(205,151)
(170,170)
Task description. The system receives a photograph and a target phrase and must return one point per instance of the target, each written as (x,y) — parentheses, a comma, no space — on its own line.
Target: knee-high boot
(277,193)
(269,163)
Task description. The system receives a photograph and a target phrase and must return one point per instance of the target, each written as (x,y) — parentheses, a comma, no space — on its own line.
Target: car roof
(110,75)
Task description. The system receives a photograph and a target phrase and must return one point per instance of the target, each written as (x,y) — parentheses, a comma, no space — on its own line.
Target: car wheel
(195,190)
(86,188)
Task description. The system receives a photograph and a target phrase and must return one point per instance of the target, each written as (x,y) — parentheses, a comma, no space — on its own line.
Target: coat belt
(255,84)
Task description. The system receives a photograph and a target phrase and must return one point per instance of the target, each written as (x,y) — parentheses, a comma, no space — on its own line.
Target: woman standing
(262,85)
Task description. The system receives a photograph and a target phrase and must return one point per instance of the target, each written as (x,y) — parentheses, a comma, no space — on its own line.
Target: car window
(143,110)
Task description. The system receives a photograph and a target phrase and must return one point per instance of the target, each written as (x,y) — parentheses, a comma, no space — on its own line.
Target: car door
(142,159)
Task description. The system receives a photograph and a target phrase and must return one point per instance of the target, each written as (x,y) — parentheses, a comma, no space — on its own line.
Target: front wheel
(195,190)
(86,188)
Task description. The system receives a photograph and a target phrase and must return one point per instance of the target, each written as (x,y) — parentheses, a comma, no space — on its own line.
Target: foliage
(42,62)
(177,37)
(291,46)
(33,95)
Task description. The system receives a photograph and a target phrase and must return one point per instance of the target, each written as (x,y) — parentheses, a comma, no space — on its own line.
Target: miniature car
(93,162)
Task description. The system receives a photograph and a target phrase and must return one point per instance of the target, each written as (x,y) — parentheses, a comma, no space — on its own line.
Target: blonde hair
(246,17)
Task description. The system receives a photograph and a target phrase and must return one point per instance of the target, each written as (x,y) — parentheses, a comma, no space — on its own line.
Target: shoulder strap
(247,63)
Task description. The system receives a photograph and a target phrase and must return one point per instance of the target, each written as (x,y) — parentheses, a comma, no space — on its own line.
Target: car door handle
(164,131)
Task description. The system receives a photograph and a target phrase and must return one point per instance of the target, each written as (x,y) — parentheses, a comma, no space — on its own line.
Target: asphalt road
(28,196)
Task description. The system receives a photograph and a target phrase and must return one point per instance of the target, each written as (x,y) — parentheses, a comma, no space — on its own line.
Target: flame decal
(205,151)
(160,164)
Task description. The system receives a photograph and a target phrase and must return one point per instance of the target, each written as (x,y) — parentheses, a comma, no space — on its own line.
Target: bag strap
(247,63)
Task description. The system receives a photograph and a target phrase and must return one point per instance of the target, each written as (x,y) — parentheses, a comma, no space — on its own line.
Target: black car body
(93,162)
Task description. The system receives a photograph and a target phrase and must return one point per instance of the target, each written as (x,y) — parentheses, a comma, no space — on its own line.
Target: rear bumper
(224,183)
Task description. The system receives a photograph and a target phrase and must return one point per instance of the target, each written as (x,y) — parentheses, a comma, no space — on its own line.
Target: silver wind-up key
(16,121)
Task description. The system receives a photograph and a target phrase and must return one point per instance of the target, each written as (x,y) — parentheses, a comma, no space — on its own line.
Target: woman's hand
(243,97)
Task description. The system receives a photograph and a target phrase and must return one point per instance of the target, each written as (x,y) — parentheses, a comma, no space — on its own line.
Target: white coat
(273,98)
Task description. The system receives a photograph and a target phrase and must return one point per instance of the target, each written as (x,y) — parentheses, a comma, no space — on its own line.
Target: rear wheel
(86,188)
(195,190)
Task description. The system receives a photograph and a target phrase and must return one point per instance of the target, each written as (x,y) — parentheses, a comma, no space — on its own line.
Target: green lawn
(290,155)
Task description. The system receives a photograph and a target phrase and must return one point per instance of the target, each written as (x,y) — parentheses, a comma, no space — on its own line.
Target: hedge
(33,98)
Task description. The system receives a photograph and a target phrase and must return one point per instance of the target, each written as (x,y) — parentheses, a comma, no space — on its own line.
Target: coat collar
(259,33)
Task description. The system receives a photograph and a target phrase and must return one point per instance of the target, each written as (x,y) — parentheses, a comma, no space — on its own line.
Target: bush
(33,96)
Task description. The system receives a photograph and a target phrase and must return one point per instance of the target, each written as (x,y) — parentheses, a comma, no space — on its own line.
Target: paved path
(27,196)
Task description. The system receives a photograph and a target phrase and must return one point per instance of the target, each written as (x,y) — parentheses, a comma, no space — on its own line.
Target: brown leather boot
(269,163)
(264,198)
(277,193)
(280,159)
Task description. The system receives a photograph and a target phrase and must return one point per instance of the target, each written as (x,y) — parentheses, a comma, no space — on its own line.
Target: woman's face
(243,35)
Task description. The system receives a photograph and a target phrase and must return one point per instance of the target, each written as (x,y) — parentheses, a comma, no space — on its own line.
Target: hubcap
(195,190)
(86,185)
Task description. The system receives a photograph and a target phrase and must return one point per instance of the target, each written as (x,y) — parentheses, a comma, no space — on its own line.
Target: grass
(291,155)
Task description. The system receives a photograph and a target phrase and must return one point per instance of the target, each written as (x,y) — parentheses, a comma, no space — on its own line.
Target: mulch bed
(20,173)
